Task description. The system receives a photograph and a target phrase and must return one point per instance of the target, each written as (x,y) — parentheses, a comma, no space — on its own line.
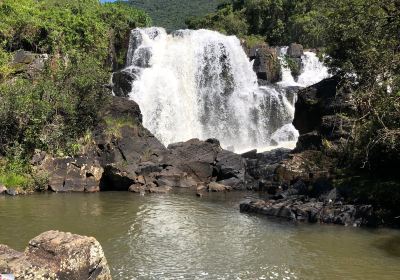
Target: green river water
(181,236)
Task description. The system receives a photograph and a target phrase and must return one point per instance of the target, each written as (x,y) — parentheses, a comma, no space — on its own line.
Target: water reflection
(180,236)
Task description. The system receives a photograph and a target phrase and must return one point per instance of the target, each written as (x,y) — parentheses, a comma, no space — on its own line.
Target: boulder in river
(55,255)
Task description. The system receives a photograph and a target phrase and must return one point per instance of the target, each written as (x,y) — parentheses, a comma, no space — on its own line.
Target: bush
(58,108)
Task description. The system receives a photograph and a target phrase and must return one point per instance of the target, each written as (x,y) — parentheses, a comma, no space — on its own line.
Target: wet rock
(122,81)
(59,256)
(12,191)
(263,165)
(231,169)
(310,210)
(175,178)
(266,63)
(295,50)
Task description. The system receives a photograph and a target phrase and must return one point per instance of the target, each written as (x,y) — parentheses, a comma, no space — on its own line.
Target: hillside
(171,14)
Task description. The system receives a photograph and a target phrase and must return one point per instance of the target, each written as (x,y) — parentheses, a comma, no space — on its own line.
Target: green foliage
(59,107)
(293,65)
(171,14)
(279,22)
(362,43)
(69,27)
(54,109)
(14,173)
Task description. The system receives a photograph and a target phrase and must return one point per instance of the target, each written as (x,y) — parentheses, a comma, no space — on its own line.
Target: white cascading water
(201,84)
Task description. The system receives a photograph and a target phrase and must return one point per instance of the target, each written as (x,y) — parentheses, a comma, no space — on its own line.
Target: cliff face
(302,186)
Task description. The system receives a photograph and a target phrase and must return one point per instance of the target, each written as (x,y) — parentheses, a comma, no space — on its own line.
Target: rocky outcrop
(122,81)
(323,116)
(266,63)
(300,185)
(122,155)
(28,63)
(305,209)
(295,50)
(55,255)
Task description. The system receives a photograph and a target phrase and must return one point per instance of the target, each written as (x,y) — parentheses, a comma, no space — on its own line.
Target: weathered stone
(266,63)
(309,210)
(72,174)
(55,255)
(295,50)
(215,187)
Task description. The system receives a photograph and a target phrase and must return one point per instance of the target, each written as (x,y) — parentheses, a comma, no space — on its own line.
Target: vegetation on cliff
(51,93)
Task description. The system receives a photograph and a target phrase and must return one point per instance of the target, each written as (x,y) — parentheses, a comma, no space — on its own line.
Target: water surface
(181,236)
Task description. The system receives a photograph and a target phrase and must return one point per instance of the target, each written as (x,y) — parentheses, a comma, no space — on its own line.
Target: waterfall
(313,70)
(200,84)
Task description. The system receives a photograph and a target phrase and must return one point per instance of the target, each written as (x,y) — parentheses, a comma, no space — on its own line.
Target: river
(181,236)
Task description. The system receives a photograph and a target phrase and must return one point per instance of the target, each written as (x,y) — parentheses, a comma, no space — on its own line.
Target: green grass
(114,125)
(13,180)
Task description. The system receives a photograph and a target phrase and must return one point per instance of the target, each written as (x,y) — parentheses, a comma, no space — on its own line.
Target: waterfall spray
(200,84)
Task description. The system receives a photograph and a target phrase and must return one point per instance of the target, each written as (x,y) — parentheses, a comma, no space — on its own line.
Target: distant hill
(171,14)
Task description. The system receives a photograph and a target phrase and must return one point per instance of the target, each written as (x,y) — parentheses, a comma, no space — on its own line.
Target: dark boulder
(313,103)
(266,63)
(122,81)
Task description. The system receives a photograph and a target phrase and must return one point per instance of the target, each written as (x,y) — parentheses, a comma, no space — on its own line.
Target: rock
(215,187)
(309,210)
(122,108)
(73,174)
(160,190)
(313,103)
(116,178)
(231,169)
(266,63)
(295,50)
(194,157)
(3,189)
(122,81)
(149,188)
(29,63)
(263,165)
(175,178)
(12,191)
(59,256)
(23,57)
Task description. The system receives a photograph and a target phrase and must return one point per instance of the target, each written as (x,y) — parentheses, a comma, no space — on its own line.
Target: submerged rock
(55,255)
